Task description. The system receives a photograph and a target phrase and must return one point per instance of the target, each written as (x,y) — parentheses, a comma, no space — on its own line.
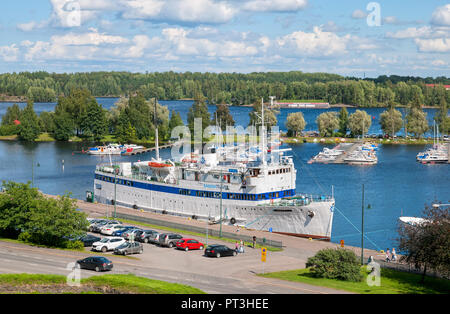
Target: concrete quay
(299,248)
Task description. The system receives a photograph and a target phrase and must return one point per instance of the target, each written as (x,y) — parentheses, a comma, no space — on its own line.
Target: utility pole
(221,189)
(115,192)
(362,227)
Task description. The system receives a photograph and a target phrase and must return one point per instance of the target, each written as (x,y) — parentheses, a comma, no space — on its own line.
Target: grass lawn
(45,137)
(32,283)
(392,282)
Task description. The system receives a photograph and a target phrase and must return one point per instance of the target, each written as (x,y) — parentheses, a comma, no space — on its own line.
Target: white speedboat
(360,157)
(111,149)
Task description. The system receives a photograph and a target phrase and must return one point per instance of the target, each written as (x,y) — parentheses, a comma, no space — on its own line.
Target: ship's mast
(263,134)
(156,134)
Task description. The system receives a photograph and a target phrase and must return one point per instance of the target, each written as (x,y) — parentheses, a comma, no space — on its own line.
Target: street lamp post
(362,228)
(221,189)
(115,192)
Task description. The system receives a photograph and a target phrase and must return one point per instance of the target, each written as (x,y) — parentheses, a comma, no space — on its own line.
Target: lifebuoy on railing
(233,221)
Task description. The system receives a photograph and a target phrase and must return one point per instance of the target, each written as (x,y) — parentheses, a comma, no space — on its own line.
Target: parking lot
(193,260)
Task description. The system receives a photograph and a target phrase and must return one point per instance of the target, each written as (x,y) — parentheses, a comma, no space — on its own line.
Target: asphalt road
(226,275)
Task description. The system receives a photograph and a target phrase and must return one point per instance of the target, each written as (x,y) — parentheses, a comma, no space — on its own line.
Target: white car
(108,230)
(108,226)
(108,244)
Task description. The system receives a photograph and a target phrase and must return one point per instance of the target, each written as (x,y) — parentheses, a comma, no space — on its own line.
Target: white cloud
(275,5)
(26,27)
(441,15)
(359,14)
(427,38)
(439,63)
(199,11)
(433,45)
(421,32)
(77,46)
(318,43)
(411,32)
(184,44)
(9,53)
(92,38)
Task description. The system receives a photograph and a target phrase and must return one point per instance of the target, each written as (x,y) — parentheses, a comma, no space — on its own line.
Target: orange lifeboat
(158,165)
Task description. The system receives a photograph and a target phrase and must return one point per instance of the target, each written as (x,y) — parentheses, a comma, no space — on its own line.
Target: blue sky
(411,38)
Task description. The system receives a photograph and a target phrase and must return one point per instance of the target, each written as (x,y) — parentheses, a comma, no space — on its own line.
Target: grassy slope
(392,282)
(122,283)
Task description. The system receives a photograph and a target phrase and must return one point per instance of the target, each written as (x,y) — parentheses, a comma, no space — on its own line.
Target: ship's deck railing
(300,200)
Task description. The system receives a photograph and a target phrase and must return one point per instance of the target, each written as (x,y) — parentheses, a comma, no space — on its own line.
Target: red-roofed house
(447,87)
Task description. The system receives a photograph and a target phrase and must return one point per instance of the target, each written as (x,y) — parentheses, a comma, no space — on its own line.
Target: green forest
(231,88)
(134,118)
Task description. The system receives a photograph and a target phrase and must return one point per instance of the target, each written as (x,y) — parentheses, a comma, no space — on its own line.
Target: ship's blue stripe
(198,193)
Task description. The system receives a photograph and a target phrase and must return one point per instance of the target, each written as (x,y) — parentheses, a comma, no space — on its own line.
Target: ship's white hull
(309,220)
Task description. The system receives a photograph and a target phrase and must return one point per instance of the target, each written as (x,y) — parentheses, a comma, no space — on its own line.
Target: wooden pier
(145,150)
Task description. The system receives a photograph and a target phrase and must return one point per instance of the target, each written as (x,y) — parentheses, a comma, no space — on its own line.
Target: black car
(218,250)
(97,263)
(89,239)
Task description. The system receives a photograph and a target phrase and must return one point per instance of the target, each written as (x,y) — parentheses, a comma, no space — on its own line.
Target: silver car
(129,248)
(154,238)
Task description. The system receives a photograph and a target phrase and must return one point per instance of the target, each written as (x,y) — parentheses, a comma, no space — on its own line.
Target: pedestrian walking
(254,241)
(388,255)
(241,246)
(394,255)
(236,247)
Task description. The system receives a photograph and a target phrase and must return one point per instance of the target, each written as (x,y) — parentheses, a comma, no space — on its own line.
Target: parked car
(189,244)
(97,227)
(89,240)
(120,232)
(154,238)
(145,235)
(97,263)
(129,248)
(126,235)
(108,244)
(109,229)
(218,250)
(137,234)
(169,239)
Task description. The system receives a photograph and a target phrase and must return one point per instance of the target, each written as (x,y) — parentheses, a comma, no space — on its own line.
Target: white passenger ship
(255,193)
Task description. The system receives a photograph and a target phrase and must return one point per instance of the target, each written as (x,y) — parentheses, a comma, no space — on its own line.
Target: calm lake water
(396,186)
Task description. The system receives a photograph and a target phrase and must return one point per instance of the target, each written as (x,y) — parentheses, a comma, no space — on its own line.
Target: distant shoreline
(23,99)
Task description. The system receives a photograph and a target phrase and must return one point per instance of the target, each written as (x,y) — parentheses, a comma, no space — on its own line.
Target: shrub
(6,130)
(25,237)
(341,264)
(75,245)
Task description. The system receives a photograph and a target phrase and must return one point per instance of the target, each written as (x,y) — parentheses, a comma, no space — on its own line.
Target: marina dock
(359,153)
(145,150)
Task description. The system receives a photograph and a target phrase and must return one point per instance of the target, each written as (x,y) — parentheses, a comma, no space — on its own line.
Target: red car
(189,244)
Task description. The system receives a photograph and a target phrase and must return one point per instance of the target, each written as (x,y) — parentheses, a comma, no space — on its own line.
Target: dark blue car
(118,233)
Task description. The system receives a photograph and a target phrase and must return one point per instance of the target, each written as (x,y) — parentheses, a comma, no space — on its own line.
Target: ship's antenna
(156,134)
(263,134)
